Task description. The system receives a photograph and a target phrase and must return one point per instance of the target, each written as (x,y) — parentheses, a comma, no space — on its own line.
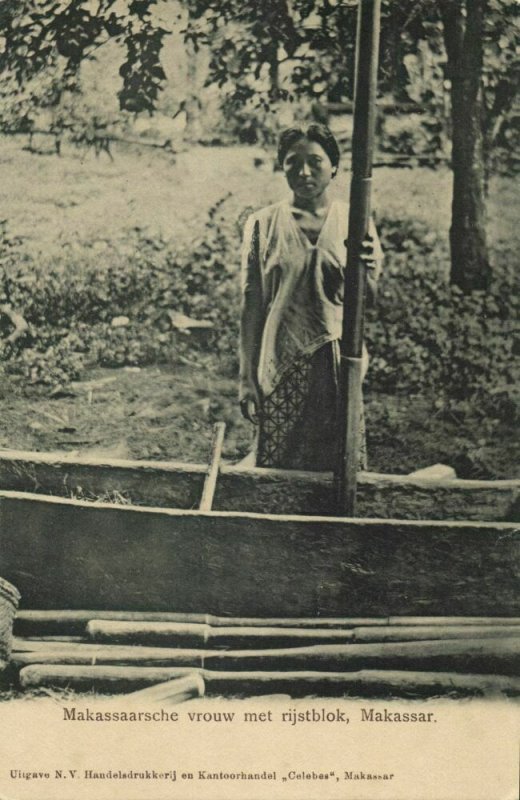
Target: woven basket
(9,599)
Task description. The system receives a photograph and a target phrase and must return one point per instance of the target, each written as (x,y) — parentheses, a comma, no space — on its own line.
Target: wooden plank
(364,683)
(71,554)
(179,485)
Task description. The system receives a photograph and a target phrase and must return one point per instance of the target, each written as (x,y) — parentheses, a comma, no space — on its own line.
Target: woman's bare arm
(372,255)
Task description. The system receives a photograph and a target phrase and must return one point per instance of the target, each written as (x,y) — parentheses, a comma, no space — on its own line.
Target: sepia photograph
(259,399)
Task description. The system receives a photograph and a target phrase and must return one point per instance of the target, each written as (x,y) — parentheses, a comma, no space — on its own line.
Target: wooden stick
(177,690)
(365,683)
(210,481)
(501,656)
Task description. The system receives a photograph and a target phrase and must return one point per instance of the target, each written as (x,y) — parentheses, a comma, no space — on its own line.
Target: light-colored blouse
(301,283)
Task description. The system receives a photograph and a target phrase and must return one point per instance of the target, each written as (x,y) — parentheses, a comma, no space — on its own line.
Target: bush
(427,336)
(69,304)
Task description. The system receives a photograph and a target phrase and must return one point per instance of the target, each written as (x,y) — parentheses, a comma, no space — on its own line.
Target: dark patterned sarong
(297,421)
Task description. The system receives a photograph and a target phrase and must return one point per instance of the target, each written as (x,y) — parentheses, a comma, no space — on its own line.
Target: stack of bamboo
(116,651)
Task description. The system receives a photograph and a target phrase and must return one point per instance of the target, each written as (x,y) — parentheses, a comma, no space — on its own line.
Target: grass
(52,200)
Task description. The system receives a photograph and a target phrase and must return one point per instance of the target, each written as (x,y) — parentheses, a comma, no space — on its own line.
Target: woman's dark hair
(314,133)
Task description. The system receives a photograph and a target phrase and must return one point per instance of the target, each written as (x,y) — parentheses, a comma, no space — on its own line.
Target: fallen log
(501,656)
(364,683)
(171,634)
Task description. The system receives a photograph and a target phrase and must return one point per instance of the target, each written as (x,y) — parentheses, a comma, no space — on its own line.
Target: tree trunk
(462,24)
(192,103)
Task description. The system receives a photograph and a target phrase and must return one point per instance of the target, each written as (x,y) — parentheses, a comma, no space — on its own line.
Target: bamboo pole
(416,633)
(33,622)
(97,678)
(170,634)
(95,655)
(137,643)
(173,634)
(501,656)
(349,411)
(364,683)
(56,622)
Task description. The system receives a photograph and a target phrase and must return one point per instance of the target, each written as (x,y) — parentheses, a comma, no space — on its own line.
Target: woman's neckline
(305,236)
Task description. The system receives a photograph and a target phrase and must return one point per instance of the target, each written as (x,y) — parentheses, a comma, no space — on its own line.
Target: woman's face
(308,169)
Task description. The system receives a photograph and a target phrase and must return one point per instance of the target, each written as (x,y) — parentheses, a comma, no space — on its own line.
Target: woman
(292,265)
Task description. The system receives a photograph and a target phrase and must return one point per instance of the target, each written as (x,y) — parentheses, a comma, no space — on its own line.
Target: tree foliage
(261,51)
(56,36)
(265,51)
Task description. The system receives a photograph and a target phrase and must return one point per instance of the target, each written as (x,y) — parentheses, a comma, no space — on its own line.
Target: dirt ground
(167,414)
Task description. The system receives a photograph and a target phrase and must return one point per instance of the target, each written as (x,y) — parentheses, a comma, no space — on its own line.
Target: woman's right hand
(249,400)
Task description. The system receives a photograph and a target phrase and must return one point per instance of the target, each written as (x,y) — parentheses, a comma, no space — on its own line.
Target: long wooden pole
(44,623)
(494,656)
(167,681)
(349,411)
